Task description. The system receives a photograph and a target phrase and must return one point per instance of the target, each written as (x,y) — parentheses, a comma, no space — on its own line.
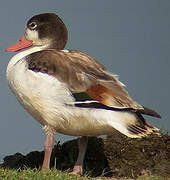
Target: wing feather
(82,73)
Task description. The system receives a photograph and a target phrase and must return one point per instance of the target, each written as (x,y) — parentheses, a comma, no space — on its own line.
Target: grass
(29,174)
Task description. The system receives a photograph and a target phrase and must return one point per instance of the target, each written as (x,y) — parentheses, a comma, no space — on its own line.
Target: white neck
(23,54)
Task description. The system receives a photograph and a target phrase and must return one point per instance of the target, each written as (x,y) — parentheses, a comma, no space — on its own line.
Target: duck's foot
(77,170)
(44,169)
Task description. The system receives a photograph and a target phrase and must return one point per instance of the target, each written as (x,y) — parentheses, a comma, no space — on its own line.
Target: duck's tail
(149,112)
(133,125)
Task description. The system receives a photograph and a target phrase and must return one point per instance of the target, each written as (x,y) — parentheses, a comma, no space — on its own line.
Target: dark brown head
(43,30)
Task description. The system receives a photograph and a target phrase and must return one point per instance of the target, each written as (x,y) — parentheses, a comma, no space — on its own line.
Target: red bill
(21,44)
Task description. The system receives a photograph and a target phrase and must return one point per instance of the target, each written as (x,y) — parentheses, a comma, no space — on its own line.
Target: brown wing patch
(103,95)
(110,98)
(99,93)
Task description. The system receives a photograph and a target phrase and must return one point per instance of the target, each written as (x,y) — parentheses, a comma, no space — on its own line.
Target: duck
(68,91)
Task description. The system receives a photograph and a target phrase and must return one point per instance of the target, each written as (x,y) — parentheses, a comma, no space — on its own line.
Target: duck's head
(46,30)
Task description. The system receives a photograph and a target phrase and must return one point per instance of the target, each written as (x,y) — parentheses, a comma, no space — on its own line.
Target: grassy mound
(115,156)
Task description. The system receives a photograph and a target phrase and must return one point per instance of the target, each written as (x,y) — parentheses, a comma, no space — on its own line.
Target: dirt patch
(135,157)
(116,156)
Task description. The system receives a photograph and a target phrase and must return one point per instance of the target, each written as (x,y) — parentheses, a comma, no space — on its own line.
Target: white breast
(39,93)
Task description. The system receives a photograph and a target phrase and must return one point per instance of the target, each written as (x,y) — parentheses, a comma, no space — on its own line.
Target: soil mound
(116,156)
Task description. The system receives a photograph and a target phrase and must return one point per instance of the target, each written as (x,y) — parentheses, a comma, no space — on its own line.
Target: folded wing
(82,73)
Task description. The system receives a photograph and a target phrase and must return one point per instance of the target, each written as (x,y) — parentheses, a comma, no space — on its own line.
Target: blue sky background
(131,38)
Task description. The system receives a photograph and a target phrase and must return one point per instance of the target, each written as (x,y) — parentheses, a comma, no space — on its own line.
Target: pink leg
(82,144)
(48,146)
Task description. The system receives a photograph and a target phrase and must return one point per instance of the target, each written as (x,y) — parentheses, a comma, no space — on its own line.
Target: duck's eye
(32,25)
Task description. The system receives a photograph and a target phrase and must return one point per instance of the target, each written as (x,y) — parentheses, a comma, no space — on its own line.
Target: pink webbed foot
(77,170)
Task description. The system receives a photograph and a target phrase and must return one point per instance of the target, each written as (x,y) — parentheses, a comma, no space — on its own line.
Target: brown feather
(111,98)
(150,112)
(100,93)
